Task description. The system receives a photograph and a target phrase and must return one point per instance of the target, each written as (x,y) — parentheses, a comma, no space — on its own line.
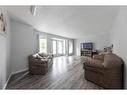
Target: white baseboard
(13,73)
(7,81)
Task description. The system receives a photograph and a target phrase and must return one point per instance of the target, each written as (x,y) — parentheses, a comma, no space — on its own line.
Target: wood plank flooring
(65,73)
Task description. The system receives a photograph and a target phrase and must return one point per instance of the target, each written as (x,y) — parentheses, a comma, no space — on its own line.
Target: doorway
(58,47)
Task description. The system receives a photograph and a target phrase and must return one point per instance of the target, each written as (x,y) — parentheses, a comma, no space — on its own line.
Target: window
(54,47)
(42,45)
(70,46)
(60,47)
(64,51)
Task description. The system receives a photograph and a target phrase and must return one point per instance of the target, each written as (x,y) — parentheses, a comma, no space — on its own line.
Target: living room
(59,31)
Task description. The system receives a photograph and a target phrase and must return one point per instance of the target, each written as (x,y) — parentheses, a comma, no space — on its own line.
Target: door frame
(57,54)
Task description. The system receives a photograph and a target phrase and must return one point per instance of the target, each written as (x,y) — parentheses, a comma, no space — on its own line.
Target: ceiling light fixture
(33,10)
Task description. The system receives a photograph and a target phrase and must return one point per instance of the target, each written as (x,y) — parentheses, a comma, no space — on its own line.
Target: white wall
(5,53)
(22,45)
(24,41)
(3,56)
(99,41)
(119,37)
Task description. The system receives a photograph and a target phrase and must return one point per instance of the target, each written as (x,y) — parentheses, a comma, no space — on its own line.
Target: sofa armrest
(39,61)
(50,56)
(95,65)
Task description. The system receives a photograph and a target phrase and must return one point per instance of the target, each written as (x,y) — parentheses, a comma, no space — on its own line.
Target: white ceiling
(67,21)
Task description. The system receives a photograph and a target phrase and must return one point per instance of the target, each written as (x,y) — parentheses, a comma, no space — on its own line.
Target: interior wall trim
(13,73)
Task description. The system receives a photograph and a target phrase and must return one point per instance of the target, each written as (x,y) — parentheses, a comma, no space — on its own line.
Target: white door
(54,47)
(60,48)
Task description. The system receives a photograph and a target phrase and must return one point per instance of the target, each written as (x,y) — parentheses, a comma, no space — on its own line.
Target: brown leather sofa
(105,71)
(40,63)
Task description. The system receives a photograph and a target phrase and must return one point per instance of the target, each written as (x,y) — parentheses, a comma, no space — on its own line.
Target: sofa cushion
(99,57)
(42,54)
(37,56)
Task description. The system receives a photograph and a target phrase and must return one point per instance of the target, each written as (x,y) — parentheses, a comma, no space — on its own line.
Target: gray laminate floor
(65,73)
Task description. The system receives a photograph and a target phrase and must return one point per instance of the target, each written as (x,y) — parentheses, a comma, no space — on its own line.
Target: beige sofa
(105,70)
(39,63)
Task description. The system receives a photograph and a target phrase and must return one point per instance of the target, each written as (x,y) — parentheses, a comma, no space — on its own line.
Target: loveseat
(40,63)
(105,70)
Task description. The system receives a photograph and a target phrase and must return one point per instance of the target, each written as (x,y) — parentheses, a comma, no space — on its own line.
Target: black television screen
(88,46)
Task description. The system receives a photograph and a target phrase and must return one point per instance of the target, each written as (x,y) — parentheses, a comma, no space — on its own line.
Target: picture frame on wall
(2,23)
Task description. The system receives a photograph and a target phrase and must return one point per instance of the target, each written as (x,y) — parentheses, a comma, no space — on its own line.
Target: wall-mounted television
(88,46)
